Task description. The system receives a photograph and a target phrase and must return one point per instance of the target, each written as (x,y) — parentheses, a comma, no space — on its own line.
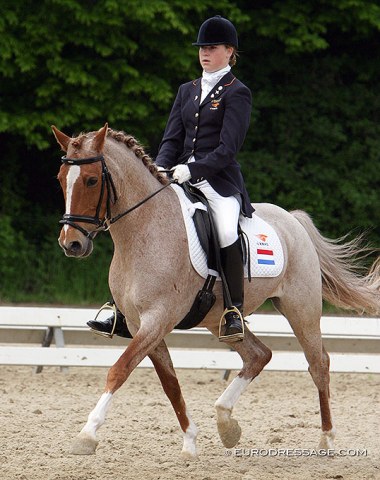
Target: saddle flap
(202,223)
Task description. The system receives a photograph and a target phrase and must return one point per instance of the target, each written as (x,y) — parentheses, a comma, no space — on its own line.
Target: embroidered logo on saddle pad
(267,257)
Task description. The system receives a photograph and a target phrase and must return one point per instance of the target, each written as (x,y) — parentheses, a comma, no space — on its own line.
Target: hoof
(84,445)
(229,432)
(186,455)
(228,428)
(327,440)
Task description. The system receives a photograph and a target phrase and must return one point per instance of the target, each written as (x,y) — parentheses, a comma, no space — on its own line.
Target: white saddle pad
(267,257)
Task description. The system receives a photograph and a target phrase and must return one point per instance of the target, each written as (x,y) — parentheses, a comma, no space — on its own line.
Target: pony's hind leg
(319,365)
(321,377)
(255,356)
(164,367)
(305,323)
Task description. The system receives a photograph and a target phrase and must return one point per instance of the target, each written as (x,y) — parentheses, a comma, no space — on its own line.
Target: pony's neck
(134,183)
(133,180)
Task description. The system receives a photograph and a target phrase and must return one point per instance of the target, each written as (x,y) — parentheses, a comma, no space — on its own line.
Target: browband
(81,161)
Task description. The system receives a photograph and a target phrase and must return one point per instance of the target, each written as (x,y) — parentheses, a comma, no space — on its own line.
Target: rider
(205,131)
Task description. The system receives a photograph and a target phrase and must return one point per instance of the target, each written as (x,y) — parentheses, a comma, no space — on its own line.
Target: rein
(108,186)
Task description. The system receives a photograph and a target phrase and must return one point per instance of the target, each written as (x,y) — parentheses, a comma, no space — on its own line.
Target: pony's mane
(139,151)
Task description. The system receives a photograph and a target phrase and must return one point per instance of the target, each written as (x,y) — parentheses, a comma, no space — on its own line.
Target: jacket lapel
(219,88)
(196,92)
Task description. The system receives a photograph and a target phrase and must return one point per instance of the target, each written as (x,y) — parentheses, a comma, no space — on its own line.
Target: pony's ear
(61,138)
(100,138)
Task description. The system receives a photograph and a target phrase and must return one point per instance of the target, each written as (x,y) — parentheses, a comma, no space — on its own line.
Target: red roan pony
(154,284)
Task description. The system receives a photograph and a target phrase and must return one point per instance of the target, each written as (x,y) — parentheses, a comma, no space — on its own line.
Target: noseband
(107,187)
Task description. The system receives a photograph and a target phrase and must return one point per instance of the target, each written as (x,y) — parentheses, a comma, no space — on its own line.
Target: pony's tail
(342,283)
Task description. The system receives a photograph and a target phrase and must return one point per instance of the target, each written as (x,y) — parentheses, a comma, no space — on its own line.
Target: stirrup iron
(235,337)
(107,306)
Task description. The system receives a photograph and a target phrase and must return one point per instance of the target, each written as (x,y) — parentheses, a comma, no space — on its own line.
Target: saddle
(206,231)
(208,239)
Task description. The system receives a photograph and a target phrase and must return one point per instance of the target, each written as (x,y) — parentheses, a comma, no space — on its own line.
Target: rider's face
(214,57)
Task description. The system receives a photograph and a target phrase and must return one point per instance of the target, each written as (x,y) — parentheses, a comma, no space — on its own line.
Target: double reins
(108,188)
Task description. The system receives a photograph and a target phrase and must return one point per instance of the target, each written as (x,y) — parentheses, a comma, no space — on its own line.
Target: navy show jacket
(213,132)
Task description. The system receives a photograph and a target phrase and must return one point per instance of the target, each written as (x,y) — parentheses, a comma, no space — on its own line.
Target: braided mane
(138,150)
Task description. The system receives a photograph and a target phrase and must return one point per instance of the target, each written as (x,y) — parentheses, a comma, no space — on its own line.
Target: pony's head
(87,188)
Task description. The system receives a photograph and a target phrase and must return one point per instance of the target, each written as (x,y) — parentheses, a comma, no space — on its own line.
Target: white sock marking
(98,415)
(190,437)
(232,393)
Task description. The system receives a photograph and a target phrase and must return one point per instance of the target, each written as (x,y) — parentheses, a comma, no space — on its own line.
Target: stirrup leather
(235,336)
(107,306)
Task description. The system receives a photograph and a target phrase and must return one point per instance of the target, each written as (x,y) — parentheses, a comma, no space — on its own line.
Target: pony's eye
(92,181)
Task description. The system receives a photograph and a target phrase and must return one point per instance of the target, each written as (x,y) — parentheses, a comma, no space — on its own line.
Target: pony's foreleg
(255,356)
(86,442)
(141,345)
(164,367)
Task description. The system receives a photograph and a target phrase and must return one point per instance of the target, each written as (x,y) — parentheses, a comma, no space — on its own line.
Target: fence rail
(353,342)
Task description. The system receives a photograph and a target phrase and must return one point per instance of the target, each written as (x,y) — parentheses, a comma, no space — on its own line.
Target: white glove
(181,173)
(160,168)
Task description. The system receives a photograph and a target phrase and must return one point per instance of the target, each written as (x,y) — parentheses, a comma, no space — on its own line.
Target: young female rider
(205,131)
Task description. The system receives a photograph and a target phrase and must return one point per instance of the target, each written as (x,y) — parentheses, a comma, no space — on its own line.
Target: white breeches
(225,212)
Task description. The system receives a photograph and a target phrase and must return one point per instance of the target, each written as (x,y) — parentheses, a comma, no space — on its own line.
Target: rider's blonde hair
(234,55)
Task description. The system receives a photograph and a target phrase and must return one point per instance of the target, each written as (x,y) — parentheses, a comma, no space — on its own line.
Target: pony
(110,183)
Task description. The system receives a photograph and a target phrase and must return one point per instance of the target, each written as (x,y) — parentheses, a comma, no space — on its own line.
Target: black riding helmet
(217,31)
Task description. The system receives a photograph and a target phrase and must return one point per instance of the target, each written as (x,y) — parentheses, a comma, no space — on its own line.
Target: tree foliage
(304,27)
(316,137)
(75,63)
(313,68)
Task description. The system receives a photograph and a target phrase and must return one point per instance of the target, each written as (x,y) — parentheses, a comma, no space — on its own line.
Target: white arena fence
(352,342)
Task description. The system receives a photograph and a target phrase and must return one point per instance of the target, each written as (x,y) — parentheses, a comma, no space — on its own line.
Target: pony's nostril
(75,246)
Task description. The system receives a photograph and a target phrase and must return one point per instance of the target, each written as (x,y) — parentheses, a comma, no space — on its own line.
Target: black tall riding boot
(232,264)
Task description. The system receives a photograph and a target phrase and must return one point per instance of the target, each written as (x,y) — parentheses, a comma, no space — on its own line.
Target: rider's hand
(160,168)
(181,173)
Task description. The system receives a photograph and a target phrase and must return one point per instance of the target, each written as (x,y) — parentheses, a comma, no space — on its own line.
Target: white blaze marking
(72,177)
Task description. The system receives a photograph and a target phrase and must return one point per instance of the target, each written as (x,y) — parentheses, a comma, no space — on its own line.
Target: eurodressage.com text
(295,452)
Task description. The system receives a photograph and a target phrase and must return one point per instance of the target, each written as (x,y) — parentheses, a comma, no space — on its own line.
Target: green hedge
(40,272)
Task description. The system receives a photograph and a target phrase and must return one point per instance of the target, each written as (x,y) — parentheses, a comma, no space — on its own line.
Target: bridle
(108,189)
